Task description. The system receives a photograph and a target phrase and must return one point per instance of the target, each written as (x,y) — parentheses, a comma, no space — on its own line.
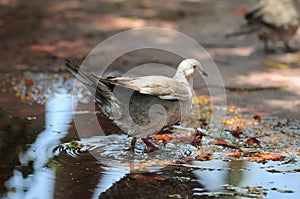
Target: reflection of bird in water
(143,106)
(274,20)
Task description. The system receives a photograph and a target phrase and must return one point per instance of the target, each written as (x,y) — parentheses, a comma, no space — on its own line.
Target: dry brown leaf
(223,143)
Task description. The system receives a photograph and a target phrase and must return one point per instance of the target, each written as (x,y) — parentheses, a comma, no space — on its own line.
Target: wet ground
(252,152)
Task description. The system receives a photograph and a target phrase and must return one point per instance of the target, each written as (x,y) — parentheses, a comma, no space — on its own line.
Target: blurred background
(37,36)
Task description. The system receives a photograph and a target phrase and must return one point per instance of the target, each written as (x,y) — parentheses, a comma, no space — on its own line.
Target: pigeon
(142,106)
(272,20)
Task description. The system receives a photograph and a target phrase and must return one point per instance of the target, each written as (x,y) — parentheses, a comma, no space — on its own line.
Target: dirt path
(38,36)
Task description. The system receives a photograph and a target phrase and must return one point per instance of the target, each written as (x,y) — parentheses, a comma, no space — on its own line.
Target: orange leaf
(164,137)
(27,98)
(269,156)
(161,137)
(235,154)
(241,10)
(28,82)
(223,143)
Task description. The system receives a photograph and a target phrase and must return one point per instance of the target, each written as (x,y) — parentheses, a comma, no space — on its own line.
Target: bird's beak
(202,72)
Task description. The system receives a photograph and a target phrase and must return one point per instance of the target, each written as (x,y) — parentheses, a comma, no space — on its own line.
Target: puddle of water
(247,179)
(36,162)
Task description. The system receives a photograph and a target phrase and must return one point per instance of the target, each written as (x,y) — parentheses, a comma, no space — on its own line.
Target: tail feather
(242,30)
(72,67)
(89,80)
(102,92)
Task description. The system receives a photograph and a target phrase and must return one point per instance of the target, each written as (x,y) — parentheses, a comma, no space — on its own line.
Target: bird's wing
(274,14)
(258,17)
(160,86)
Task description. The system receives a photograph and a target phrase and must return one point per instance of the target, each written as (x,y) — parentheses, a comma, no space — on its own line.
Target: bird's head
(188,67)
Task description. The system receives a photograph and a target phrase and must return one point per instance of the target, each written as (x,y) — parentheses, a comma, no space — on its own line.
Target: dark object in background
(272,20)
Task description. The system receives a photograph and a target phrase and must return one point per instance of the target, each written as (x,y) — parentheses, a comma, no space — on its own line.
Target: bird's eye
(194,66)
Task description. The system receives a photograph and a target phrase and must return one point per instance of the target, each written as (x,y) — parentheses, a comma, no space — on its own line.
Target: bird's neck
(187,81)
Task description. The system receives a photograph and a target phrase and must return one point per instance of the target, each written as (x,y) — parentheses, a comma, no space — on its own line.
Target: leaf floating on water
(284,191)
(273,170)
(276,65)
(74,145)
(73,148)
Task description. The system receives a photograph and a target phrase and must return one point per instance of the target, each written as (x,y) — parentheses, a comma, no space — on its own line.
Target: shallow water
(36,161)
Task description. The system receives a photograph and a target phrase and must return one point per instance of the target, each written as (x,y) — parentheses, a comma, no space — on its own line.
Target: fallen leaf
(198,137)
(189,159)
(196,140)
(203,122)
(236,132)
(27,97)
(241,10)
(276,65)
(201,100)
(257,118)
(273,171)
(252,141)
(256,159)
(228,122)
(269,156)
(275,138)
(204,156)
(235,154)
(164,137)
(74,145)
(285,191)
(223,143)
(28,82)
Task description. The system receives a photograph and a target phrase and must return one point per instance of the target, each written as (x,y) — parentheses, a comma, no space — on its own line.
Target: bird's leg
(266,45)
(288,48)
(150,145)
(132,145)
(263,37)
